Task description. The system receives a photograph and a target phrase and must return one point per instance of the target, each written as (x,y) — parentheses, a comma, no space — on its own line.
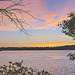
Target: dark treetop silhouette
(68,26)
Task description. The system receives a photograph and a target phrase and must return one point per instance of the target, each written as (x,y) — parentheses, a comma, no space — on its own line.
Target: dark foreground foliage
(17,69)
(71,56)
(68,26)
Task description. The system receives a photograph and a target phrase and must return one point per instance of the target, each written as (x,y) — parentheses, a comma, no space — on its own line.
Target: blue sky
(45,32)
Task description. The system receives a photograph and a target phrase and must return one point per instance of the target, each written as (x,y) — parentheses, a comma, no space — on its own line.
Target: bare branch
(8,0)
(24,12)
(9,13)
(19,4)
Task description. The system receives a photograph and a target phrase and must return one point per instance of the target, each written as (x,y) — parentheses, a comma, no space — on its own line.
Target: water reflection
(54,61)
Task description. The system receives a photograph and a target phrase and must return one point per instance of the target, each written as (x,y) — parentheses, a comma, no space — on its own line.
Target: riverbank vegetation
(17,69)
(71,56)
(68,47)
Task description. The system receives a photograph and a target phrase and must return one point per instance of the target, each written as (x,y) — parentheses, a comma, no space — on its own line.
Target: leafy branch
(71,56)
(68,26)
(16,68)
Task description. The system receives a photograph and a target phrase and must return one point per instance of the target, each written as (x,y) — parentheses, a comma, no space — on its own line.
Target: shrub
(17,69)
(71,56)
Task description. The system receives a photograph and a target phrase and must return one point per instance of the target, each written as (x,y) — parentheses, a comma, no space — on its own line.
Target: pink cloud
(37,9)
(53,24)
(61,14)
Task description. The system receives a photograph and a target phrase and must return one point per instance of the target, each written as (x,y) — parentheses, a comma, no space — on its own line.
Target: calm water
(54,61)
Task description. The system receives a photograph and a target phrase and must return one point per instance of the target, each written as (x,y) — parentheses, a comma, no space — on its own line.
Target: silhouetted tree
(68,26)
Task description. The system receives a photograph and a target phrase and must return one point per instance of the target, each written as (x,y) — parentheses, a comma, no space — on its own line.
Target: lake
(54,61)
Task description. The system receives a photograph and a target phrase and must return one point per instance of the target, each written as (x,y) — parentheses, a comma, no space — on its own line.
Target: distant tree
(68,26)
(10,13)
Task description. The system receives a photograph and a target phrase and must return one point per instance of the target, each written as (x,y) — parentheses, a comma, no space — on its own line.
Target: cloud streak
(53,24)
(38,9)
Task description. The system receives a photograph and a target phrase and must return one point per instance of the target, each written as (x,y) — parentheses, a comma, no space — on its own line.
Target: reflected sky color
(43,33)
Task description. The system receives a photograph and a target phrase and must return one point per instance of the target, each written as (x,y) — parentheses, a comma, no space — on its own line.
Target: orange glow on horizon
(42,45)
(49,45)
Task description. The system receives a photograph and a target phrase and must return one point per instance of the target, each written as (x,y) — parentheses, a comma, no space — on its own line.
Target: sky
(43,32)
